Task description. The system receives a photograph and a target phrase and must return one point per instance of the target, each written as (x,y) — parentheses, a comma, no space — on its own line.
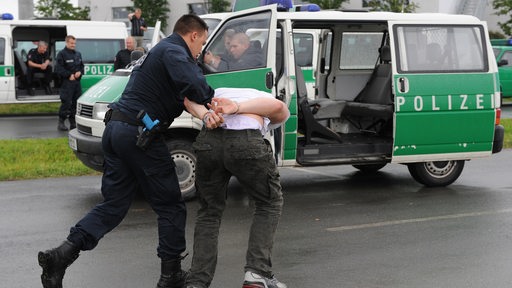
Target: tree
(153,10)
(504,7)
(219,6)
(328,4)
(403,6)
(61,9)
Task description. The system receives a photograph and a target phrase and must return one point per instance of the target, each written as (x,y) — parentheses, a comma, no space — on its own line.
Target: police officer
(158,86)
(38,61)
(123,56)
(70,69)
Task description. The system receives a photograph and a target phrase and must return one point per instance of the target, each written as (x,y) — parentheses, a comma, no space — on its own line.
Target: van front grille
(84,110)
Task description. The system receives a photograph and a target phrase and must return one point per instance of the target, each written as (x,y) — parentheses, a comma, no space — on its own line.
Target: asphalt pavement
(340,229)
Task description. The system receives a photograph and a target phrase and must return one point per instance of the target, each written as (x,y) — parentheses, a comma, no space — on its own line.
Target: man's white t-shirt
(239,121)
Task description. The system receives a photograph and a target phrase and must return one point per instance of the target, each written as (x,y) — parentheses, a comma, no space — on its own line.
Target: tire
(436,173)
(370,168)
(185,160)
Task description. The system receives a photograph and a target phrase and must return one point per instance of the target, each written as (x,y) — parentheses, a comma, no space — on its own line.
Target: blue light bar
(282,5)
(7,16)
(308,8)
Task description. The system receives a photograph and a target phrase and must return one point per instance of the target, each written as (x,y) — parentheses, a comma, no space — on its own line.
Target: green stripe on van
(6,70)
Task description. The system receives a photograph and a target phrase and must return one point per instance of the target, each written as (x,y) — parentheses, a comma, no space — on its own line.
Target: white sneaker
(253,280)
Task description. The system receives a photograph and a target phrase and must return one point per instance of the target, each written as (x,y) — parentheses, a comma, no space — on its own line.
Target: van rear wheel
(436,173)
(185,160)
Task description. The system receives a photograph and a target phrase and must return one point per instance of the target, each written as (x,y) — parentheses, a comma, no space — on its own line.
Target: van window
(2,51)
(95,50)
(252,28)
(440,48)
(359,50)
(303,46)
(507,55)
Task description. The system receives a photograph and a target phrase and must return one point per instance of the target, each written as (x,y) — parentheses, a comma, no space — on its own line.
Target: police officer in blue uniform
(70,68)
(38,61)
(157,88)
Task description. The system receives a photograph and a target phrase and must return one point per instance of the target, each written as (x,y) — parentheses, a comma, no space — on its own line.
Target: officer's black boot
(62,126)
(72,123)
(172,276)
(54,263)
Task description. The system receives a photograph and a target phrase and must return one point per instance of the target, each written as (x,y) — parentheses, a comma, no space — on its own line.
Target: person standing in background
(138,26)
(70,69)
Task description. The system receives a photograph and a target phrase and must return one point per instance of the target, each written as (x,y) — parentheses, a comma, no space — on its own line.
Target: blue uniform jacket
(68,62)
(159,85)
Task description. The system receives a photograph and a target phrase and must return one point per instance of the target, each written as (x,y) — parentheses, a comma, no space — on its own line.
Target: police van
(98,42)
(416,89)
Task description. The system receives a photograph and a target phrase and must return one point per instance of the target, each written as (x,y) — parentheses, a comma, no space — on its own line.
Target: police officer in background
(38,61)
(70,69)
(157,88)
(123,56)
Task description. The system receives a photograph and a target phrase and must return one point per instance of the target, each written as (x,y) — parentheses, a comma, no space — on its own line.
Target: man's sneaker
(253,280)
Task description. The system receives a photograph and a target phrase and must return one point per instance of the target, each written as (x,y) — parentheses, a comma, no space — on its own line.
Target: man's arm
(271,108)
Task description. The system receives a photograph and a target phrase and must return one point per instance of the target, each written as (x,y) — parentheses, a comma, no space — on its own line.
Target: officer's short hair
(42,43)
(190,23)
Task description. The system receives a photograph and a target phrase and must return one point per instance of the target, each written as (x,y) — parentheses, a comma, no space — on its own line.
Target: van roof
(60,23)
(331,15)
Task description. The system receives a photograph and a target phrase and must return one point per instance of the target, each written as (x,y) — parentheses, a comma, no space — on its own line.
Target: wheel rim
(440,169)
(185,170)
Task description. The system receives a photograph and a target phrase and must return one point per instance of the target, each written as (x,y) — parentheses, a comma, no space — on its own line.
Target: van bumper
(499,135)
(87,149)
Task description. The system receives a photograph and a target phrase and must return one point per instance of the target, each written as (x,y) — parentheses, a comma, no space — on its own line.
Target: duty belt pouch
(108,116)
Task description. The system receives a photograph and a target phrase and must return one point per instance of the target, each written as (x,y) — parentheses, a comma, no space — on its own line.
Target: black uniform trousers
(127,170)
(69,93)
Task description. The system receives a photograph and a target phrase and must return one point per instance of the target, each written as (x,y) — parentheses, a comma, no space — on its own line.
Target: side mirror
(502,62)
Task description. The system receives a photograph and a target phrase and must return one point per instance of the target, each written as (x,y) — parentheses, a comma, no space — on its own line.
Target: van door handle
(403,85)
(8,71)
(269,80)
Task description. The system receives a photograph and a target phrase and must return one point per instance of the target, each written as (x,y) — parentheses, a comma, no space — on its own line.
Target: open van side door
(7,79)
(258,25)
(444,87)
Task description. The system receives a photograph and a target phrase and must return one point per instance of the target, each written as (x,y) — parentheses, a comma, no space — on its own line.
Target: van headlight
(99,110)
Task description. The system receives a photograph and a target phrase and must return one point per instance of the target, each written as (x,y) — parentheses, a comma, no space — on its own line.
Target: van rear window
(440,48)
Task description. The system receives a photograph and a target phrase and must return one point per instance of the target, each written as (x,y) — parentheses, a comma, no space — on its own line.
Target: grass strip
(39,158)
(29,108)
(507,123)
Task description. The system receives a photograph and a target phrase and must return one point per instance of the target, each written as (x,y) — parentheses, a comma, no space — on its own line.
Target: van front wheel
(185,160)
(436,173)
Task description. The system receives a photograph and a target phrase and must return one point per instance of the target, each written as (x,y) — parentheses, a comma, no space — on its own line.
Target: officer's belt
(120,116)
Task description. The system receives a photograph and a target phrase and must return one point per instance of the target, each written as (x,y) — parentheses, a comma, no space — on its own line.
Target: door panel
(444,105)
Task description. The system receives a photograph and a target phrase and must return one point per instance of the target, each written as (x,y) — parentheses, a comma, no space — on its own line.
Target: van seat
(375,100)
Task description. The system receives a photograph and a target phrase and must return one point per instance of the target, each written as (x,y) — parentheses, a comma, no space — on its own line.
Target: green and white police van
(98,42)
(415,89)
(503,51)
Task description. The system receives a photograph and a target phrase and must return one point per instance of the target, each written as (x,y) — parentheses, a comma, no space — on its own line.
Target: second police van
(415,89)
(98,42)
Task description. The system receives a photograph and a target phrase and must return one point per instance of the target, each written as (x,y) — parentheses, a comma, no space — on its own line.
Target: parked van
(503,51)
(416,89)
(98,43)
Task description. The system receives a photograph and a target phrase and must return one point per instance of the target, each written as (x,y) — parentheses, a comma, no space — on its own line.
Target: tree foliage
(328,4)
(403,6)
(153,10)
(61,9)
(504,7)
(219,6)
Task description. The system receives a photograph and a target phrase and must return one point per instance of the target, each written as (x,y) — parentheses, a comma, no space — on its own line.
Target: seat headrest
(385,53)
(135,55)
